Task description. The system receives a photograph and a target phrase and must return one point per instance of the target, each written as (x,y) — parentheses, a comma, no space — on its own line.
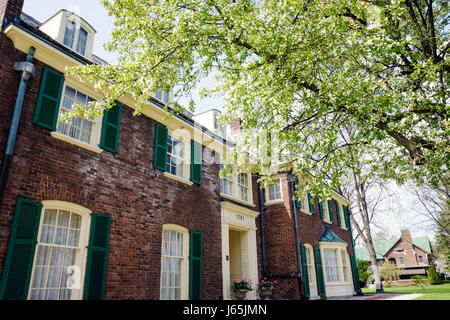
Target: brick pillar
(10,9)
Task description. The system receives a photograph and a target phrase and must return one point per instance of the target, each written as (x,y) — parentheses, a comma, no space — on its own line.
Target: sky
(96,15)
(402,212)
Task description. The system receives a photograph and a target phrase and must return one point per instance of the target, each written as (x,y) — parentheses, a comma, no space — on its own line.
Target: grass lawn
(435,292)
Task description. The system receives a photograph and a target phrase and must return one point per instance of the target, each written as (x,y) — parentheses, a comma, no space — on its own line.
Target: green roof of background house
(382,246)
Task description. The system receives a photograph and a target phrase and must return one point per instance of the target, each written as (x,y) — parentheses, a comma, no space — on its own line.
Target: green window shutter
(347,217)
(355,274)
(160,160)
(195,265)
(49,98)
(305,270)
(298,202)
(111,128)
(196,162)
(311,204)
(21,248)
(94,286)
(330,211)
(319,272)
(321,209)
(338,214)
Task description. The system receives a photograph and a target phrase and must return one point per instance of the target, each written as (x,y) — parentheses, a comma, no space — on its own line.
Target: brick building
(125,207)
(411,255)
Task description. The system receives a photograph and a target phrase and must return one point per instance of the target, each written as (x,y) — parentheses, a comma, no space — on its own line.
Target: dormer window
(162,96)
(72,31)
(82,41)
(75,37)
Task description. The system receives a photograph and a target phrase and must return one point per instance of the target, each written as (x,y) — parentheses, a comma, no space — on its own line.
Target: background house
(412,255)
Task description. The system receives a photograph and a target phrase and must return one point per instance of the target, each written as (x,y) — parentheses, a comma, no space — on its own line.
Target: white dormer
(209,119)
(72,31)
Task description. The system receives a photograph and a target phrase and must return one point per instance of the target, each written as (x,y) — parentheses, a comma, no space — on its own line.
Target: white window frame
(339,248)
(326,211)
(76,37)
(233,179)
(184,281)
(311,267)
(83,242)
(163,96)
(345,260)
(267,193)
(97,122)
(400,263)
(243,195)
(341,213)
(184,178)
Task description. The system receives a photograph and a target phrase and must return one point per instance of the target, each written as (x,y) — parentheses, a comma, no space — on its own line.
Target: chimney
(406,235)
(9,10)
(235,126)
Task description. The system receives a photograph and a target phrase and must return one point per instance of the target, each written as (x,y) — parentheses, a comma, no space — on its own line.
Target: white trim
(177,178)
(76,142)
(83,241)
(184,281)
(267,193)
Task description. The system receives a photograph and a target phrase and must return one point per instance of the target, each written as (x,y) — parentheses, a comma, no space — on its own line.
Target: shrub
(419,281)
(433,277)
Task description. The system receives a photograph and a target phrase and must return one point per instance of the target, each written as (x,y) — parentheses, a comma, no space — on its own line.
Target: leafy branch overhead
(303,69)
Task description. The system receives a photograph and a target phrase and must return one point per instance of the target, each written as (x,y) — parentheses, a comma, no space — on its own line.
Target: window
(398,250)
(226,184)
(401,260)
(331,265)
(326,212)
(75,37)
(420,259)
(174,263)
(274,191)
(60,254)
(79,128)
(82,41)
(236,186)
(310,265)
(175,156)
(243,186)
(162,96)
(69,34)
(344,265)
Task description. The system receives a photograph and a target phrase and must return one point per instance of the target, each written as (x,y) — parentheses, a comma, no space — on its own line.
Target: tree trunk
(367,237)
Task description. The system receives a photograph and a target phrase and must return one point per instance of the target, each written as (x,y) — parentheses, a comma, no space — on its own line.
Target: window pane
(53,256)
(69,34)
(82,40)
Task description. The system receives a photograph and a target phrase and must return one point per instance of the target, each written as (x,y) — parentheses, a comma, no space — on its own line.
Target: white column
(225,261)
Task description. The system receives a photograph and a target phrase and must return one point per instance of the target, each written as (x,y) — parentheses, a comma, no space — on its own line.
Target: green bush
(419,281)
(433,277)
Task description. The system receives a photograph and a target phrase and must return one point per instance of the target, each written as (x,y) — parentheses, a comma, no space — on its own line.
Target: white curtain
(57,249)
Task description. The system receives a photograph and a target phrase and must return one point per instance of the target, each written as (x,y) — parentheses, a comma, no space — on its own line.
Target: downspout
(297,238)
(27,68)
(261,220)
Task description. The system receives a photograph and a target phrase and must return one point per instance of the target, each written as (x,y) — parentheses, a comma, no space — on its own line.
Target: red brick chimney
(406,235)
(235,126)
(10,9)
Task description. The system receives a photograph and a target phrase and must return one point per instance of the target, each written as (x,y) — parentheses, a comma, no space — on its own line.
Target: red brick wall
(280,242)
(10,9)
(126,186)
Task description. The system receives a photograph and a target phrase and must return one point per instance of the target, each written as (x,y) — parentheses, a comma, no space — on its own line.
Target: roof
(383,246)
(31,25)
(328,235)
